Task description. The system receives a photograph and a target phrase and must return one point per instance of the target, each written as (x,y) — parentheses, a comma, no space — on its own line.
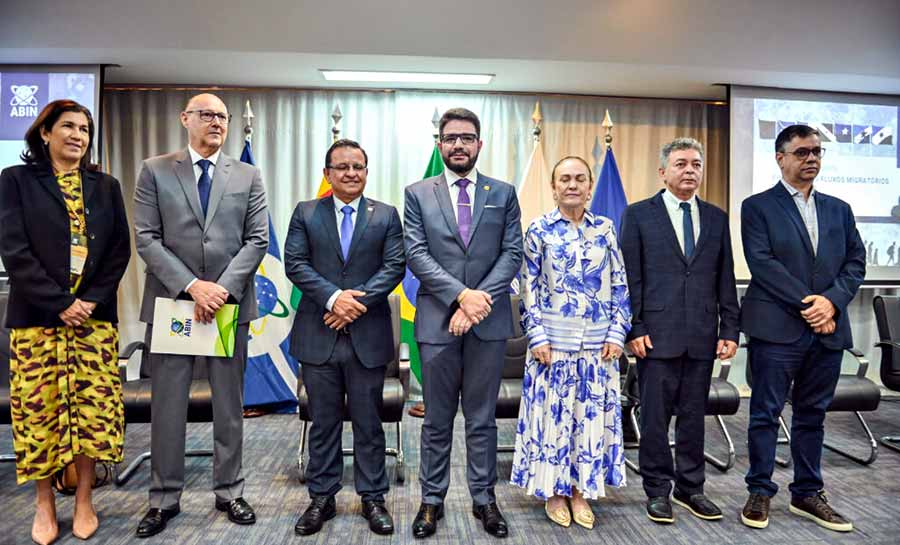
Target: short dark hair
(566,158)
(344,143)
(460,114)
(35,151)
(791,132)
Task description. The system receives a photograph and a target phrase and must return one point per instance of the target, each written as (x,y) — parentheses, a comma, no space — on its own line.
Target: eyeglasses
(207,116)
(344,167)
(467,138)
(803,153)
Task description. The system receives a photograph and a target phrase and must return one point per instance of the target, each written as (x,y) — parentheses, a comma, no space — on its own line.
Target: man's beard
(461,169)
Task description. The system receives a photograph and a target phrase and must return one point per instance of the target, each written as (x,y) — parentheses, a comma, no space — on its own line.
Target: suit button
(205,240)
(87,211)
(687,273)
(92,236)
(202,269)
(343,274)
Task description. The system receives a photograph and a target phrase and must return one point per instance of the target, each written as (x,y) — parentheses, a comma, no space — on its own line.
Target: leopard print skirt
(65,397)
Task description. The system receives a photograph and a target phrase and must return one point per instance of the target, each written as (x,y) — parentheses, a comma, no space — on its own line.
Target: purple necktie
(464,210)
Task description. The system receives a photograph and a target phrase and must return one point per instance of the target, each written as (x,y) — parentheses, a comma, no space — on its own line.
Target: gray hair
(679,144)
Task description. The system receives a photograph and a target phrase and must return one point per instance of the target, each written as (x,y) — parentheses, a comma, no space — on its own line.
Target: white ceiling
(655,48)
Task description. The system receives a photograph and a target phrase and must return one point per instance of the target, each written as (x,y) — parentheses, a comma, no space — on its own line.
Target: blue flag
(271,375)
(609,195)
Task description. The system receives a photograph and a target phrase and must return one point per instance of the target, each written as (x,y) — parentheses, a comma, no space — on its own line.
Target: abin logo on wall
(24,101)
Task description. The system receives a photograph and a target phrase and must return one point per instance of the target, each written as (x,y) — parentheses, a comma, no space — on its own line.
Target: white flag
(535,195)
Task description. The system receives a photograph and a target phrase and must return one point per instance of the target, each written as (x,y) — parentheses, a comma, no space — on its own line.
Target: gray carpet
(869,496)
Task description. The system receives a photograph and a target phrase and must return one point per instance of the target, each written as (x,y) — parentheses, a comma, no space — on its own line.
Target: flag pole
(436,123)
(608,125)
(336,117)
(248,122)
(537,119)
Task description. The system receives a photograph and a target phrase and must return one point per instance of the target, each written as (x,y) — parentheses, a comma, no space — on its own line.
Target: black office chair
(723,400)
(5,416)
(853,393)
(137,394)
(396,390)
(510,395)
(887,319)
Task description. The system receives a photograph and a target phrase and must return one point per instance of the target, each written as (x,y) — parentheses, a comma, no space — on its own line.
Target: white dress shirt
(452,177)
(676,216)
(195,158)
(339,218)
(807,209)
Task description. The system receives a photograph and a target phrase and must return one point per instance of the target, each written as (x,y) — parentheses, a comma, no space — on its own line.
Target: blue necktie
(204,184)
(688,226)
(346,230)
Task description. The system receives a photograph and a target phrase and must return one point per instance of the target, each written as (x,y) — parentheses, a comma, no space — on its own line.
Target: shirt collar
(452,177)
(793,191)
(338,204)
(214,158)
(674,202)
(555,216)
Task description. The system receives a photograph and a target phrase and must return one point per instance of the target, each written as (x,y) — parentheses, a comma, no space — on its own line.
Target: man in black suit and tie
(345,252)
(807,262)
(677,252)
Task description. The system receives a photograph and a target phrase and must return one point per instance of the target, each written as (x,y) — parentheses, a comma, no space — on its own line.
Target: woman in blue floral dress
(576,313)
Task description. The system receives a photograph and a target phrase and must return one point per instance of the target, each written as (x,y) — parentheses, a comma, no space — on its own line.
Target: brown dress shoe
(756,511)
(816,509)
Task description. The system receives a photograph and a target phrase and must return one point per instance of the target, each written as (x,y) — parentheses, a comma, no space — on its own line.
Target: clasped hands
(345,309)
(819,316)
(474,306)
(208,299)
(77,313)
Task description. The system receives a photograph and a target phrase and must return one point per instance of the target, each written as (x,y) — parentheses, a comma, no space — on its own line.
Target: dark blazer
(375,265)
(685,305)
(35,240)
(784,270)
(445,266)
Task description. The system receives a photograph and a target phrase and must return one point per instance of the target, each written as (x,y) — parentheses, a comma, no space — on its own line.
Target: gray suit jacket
(314,262)
(435,253)
(177,244)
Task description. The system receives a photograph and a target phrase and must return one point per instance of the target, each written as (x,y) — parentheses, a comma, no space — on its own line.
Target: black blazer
(35,240)
(685,305)
(784,270)
(375,265)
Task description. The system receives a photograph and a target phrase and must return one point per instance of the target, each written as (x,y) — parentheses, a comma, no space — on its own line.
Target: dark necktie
(688,226)
(346,230)
(204,184)
(464,211)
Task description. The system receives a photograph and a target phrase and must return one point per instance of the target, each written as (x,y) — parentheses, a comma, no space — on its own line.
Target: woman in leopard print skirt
(64,241)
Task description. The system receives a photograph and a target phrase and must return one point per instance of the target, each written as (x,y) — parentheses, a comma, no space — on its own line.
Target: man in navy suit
(464,243)
(677,252)
(807,262)
(345,252)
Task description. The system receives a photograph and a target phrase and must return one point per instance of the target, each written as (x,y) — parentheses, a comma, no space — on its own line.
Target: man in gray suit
(345,252)
(464,243)
(201,227)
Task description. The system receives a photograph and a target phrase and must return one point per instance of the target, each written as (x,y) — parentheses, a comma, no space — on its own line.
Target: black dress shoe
(492,519)
(659,509)
(425,523)
(239,511)
(320,509)
(699,505)
(155,520)
(380,520)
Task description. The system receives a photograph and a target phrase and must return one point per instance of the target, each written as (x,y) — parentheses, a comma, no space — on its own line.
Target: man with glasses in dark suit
(807,261)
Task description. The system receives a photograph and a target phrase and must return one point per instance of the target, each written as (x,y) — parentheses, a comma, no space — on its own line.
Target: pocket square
(492,206)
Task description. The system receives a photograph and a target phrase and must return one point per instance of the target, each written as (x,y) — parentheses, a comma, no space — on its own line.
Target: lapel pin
(487,188)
